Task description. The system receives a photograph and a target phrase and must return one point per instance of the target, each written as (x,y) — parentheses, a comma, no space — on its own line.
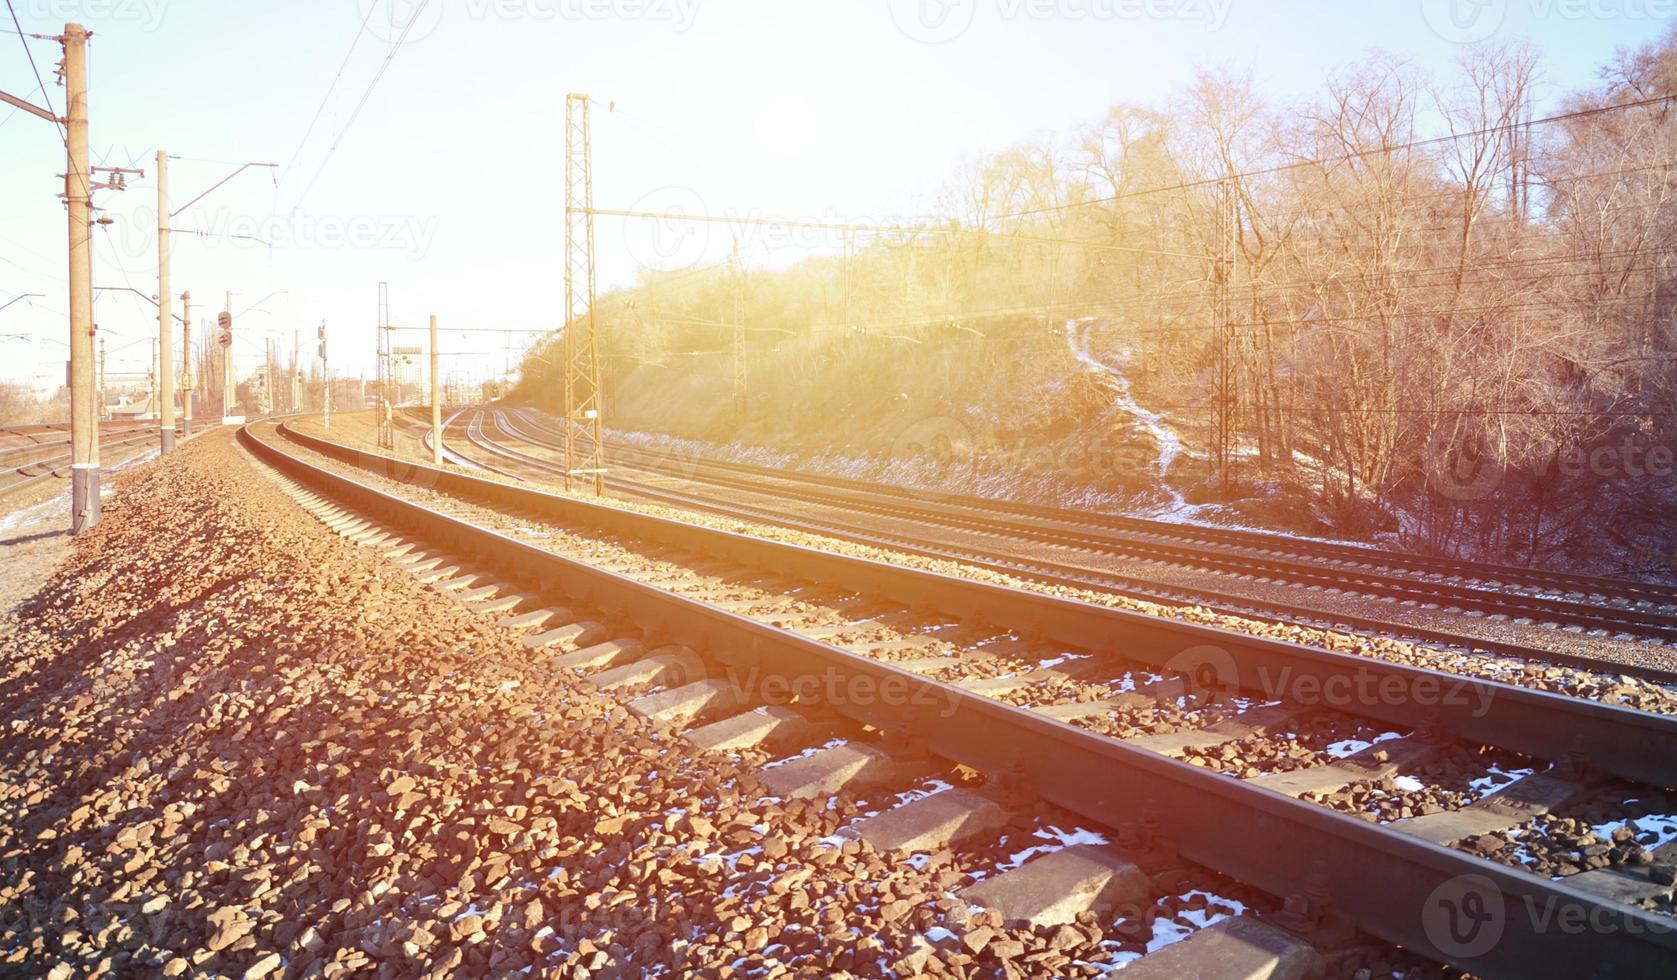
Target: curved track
(696,585)
(509,448)
(1611,606)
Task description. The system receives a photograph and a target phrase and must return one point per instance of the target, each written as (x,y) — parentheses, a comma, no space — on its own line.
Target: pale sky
(449,183)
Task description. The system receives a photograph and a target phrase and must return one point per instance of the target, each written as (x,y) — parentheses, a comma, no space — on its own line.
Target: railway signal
(166,418)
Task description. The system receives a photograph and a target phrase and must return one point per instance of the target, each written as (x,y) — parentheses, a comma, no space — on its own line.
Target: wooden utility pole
(78,192)
(165,313)
(186,364)
(436,400)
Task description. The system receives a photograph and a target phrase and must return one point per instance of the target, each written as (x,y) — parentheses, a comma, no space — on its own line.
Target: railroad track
(49,458)
(519,464)
(1587,602)
(1609,606)
(1170,742)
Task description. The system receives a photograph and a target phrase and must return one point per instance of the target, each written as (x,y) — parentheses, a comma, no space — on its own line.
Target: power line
(45,95)
(383,67)
(330,88)
(950,230)
(1343,157)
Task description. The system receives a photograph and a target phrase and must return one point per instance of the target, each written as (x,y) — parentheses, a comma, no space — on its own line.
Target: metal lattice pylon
(584,449)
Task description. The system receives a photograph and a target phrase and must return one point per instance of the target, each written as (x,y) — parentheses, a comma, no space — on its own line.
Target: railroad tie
(1055,888)
(1243,946)
(682,705)
(764,727)
(1374,762)
(570,636)
(929,823)
(850,765)
(1519,802)
(1255,721)
(666,666)
(534,619)
(1628,884)
(599,656)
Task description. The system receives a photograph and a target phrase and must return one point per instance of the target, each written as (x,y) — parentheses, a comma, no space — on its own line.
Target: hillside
(1316,318)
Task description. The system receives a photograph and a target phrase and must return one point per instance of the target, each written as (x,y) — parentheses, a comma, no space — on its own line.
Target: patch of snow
(1496,778)
(1056,840)
(1170,446)
(1352,746)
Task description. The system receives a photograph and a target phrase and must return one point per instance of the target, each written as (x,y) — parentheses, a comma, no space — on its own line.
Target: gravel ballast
(232,743)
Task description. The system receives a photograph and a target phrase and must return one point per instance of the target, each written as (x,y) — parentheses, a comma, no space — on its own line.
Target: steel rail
(13,456)
(1614,620)
(14,477)
(1076,577)
(1465,570)
(1635,745)
(1396,887)
(1562,611)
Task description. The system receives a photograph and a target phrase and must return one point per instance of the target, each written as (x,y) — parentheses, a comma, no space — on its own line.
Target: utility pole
(78,202)
(1222,276)
(739,337)
(381,351)
(166,381)
(584,446)
(228,399)
(325,382)
(296,374)
(78,194)
(436,400)
(186,365)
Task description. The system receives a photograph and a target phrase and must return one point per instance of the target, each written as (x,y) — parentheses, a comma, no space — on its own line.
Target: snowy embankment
(1126,410)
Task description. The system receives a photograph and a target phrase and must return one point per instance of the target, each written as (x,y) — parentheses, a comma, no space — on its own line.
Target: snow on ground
(1170,446)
